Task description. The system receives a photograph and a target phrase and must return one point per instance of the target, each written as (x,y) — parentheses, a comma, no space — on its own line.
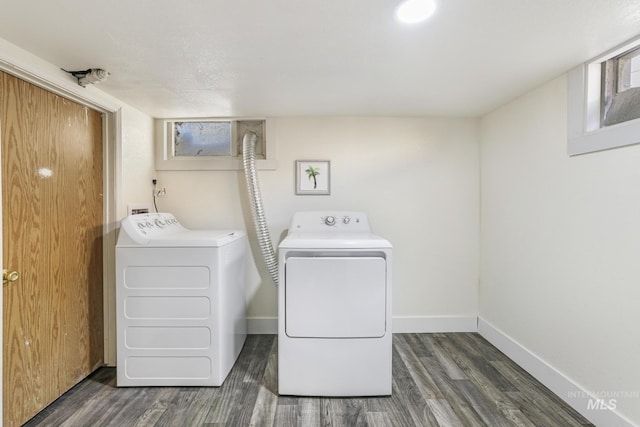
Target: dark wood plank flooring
(442,380)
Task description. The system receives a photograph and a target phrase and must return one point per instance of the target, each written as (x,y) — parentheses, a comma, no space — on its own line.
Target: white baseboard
(401,324)
(577,397)
(433,324)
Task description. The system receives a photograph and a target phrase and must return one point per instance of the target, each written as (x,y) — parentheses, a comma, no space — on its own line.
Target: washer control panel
(319,221)
(151,225)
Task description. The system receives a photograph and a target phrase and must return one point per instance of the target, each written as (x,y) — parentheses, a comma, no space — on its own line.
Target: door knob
(9,276)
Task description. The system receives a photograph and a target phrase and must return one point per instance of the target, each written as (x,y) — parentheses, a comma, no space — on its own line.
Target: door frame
(38,72)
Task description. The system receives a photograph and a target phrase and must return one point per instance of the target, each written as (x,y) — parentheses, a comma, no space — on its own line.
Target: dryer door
(335,297)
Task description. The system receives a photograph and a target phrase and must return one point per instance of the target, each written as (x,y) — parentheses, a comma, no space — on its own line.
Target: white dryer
(334,307)
(181,304)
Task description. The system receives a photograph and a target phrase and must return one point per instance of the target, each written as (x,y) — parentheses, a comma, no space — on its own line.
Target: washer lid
(163,230)
(196,238)
(302,240)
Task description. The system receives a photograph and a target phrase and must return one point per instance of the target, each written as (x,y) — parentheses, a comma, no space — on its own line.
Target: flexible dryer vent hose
(259,220)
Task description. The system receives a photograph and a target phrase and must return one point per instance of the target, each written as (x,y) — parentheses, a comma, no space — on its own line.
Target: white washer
(181,306)
(334,307)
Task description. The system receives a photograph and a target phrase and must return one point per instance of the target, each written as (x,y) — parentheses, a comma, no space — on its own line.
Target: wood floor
(438,380)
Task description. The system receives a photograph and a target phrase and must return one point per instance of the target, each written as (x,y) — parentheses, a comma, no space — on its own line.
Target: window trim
(584,134)
(165,158)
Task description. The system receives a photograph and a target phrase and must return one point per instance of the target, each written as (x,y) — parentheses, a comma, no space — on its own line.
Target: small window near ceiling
(210,143)
(202,138)
(621,88)
(603,105)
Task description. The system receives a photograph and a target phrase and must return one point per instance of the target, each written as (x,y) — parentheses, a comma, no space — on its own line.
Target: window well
(202,138)
(621,88)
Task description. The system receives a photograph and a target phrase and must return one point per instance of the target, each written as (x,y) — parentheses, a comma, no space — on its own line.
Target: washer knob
(330,220)
(346,219)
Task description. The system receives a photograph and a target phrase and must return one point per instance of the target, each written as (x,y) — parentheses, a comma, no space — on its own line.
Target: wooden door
(52,236)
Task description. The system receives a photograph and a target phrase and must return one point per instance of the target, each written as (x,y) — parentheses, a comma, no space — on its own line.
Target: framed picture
(313,177)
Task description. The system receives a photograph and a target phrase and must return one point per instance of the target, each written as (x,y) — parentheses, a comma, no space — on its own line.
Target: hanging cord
(155,194)
(257,211)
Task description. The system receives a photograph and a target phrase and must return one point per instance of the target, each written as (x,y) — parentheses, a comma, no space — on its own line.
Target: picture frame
(313,177)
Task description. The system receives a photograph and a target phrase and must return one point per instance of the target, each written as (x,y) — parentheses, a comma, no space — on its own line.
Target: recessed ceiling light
(412,11)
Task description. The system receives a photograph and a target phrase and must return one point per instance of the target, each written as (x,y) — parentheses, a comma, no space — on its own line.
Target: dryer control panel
(329,221)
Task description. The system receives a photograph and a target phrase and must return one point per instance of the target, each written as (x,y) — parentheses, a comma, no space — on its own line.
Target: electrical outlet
(156,192)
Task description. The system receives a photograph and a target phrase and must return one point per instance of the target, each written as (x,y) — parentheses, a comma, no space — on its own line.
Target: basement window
(620,88)
(202,138)
(604,101)
(209,144)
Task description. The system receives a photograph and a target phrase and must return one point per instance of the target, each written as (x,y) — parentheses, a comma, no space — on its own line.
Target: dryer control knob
(346,219)
(330,220)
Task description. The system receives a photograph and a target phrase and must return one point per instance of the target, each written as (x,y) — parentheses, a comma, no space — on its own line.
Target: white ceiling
(317,57)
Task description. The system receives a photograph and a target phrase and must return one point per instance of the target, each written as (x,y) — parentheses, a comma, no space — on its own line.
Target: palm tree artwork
(312,173)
